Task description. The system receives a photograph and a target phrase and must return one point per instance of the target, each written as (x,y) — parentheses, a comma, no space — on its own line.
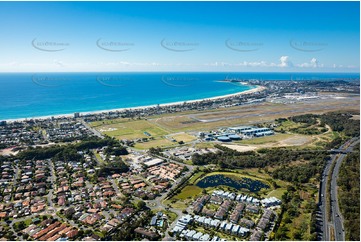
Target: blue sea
(27,95)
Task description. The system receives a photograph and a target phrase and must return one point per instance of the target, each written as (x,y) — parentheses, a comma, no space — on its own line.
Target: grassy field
(171,216)
(184,137)
(249,114)
(158,142)
(134,129)
(177,204)
(234,175)
(98,157)
(189,192)
(266,139)
(129,129)
(204,145)
(195,177)
(160,126)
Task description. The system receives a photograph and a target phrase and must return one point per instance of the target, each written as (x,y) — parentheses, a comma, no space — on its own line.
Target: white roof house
(223,225)
(235,229)
(197,236)
(215,223)
(243,231)
(186,219)
(207,221)
(204,237)
(229,227)
(190,234)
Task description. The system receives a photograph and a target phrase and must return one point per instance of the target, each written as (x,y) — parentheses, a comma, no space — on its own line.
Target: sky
(179,36)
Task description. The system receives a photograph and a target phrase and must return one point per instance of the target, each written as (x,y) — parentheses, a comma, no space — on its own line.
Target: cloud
(285,61)
(312,64)
(58,63)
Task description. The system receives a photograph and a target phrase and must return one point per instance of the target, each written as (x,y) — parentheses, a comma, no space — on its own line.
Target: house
(223,225)
(216,200)
(220,214)
(243,231)
(146,233)
(246,223)
(256,236)
(207,212)
(229,227)
(207,222)
(204,237)
(272,201)
(189,235)
(197,207)
(215,238)
(197,236)
(252,209)
(215,223)
(262,224)
(186,219)
(153,221)
(249,199)
(235,229)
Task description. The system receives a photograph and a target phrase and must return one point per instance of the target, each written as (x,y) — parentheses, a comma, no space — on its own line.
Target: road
(336,217)
(95,132)
(322,200)
(52,180)
(337,222)
(158,202)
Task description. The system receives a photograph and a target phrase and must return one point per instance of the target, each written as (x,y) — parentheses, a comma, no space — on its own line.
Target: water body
(221,180)
(26,95)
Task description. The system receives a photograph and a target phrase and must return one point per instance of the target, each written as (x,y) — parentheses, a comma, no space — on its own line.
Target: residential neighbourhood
(228,218)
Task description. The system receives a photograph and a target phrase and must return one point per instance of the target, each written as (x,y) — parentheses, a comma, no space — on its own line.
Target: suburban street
(95,132)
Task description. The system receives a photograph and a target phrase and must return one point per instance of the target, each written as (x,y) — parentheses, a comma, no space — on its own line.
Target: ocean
(28,95)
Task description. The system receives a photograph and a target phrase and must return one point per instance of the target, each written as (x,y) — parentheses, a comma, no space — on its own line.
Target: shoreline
(67,115)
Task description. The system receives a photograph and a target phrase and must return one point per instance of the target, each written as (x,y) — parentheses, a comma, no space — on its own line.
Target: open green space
(189,192)
(158,142)
(129,129)
(266,139)
(183,137)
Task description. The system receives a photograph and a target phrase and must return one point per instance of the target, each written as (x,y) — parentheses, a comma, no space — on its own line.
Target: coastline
(67,115)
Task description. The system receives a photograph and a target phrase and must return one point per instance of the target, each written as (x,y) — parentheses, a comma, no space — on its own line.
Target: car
(337,215)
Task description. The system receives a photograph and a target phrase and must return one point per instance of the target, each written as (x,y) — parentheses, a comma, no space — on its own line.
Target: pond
(222,180)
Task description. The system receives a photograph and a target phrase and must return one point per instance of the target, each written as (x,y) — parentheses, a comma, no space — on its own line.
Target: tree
(140,204)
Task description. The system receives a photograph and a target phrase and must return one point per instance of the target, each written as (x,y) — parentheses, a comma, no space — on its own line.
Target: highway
(322,200)
(337,221)
(336,216)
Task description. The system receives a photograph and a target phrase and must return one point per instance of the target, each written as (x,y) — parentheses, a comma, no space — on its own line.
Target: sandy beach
(254,90)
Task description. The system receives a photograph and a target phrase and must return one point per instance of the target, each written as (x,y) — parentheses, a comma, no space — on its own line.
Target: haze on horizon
(180,36)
